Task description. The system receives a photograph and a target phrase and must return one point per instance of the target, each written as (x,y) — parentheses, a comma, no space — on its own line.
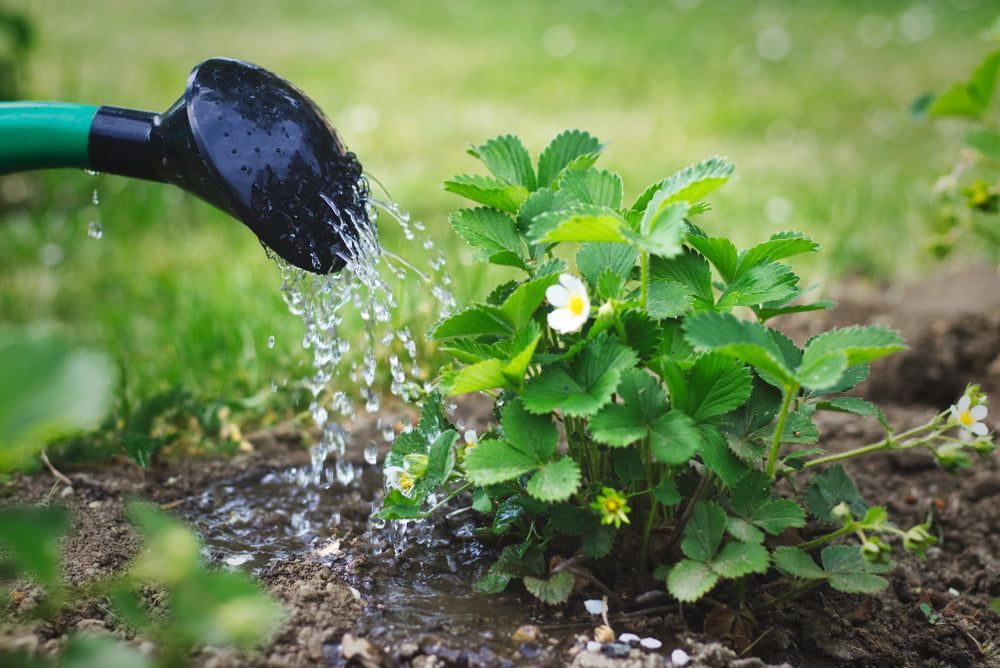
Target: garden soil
(952,323)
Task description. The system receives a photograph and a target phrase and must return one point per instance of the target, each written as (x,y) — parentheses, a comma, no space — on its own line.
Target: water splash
(323,303)
(95,230)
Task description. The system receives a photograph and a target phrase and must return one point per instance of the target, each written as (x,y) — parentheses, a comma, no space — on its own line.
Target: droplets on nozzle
(322,301)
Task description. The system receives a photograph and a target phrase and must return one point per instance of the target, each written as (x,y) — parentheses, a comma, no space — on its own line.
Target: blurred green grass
(809,99)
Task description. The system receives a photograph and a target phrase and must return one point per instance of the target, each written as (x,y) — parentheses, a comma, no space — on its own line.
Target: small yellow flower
(572,304)
(396,477)
(612,506)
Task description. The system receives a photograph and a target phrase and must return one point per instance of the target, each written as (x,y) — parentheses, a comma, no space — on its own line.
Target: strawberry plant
(644,406)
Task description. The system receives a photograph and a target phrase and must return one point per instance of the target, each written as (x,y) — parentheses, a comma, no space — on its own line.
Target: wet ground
(379,598)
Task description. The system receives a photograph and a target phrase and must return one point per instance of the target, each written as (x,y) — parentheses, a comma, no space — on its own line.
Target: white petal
(979,429)
(979,412)
(679,657)
(470,436)
(964,435)
(565,322)
(628,638)
(594,606)
(954,411)
(573,284)
(964,403)
(557,295)
(651,643)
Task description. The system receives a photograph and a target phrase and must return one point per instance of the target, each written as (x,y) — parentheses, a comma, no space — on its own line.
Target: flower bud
(918,539)
(875,550)
(415,465)
(604,634)
(841,511)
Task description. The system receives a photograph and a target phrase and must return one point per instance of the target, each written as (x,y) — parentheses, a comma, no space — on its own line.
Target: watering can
(240,138)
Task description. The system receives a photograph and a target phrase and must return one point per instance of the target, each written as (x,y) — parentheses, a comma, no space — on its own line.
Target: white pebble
(953,591)
(679,657)
(594,606)
(651,643)
(628,638)
(593,646)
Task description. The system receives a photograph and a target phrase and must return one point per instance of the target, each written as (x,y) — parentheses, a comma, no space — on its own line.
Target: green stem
(648,530)
(779,431)
(888,443)
(643,279)
(448,498)
(833,535)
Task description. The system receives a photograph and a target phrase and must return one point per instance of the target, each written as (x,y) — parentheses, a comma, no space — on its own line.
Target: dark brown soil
(953,326)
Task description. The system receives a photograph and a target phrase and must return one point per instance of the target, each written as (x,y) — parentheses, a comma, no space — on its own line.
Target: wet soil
(353,598)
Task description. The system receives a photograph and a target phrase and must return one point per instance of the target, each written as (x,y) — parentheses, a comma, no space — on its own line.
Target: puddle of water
(415,579)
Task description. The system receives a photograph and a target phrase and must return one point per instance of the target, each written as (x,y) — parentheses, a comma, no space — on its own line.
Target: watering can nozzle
(240,138)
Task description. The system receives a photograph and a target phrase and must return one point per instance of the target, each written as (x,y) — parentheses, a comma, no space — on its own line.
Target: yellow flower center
(575,305)
(405,482)
(611,506)
(965,417)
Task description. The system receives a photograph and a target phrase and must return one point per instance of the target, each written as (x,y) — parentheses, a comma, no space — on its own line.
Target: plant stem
(779,430)
(643,279)
(448,498)
(833,535)
(888,443)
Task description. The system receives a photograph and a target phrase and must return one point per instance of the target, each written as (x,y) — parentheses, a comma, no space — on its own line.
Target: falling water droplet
(91,172)
(95,230)
(95,198)
(270,341)
(371,453)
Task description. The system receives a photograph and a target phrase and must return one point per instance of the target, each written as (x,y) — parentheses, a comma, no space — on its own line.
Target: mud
(352,598)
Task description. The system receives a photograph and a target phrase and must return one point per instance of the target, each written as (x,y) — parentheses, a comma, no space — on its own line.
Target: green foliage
(650,407)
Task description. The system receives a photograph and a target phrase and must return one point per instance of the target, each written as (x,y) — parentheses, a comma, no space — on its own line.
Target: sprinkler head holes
(251,144)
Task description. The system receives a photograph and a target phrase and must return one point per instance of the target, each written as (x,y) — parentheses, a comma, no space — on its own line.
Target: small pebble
(651,643)
(526,633)
(679,657)
(594,606)
(593,646)
(628,638)
(953,591)
(66,491)
(94,504)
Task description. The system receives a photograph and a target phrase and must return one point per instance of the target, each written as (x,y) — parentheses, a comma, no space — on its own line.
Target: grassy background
(809,99)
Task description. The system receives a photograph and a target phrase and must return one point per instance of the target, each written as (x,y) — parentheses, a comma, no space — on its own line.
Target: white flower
(399,478)
(969,417)
(679,657)
(594,606)
(572,304)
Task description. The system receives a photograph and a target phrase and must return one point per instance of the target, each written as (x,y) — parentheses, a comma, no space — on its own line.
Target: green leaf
(583,386)
(854,405)
(403,510)
(492,583)
(492,234)
(674,438)
(508,159)
(484,375)
(522,303)
(492,462)
(570,519)
(666,492)
(691,184)
(491,192)
(593,186)
(955,101)
(853,376)
(92,651)
(829,489)
(628,464)
(765,313)
(689,580)
(717,385)
(743,531)
(533,434)
(667,299)
(30,540)
(643,402)
(858,344)
(555,481)
(609,285)
(704,530)
(662,229)
(544,200)
(753,502)
(556,589)
(797,563)
(598,541)
(481,501)
(745,427)
(799,428)
(563,150)
(593,259)
(984,81)
(719,251)
(584,222)
(690,270)
(778,247)
(440,458)
(849,572)
(478,320)
(744,340)
(986,141)
(718,458)
(47,390)
(739,559)
(766,282)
